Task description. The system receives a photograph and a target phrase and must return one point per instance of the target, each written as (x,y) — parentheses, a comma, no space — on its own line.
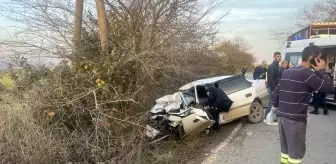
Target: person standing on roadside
(260,71)
(283,67)
(291,98)
(290,65)
(272,80)
(319,99)
(243,70)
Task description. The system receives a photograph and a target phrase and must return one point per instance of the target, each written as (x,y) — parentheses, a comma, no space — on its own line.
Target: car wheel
(256,113)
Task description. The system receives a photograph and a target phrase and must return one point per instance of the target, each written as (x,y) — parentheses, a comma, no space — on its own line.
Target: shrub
(92,107)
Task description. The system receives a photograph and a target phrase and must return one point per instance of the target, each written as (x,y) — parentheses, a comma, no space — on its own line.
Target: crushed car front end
(174,115)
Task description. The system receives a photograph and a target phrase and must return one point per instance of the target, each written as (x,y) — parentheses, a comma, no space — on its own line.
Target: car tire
(257,113)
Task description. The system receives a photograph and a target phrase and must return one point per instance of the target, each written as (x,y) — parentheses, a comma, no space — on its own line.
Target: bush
(92,107)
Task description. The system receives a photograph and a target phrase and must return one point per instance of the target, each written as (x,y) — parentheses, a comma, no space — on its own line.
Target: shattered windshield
(188,96)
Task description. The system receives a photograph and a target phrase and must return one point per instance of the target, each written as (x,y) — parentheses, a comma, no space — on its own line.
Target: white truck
(320,34)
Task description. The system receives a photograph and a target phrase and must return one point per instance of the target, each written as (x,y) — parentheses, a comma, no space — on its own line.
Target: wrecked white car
(185,112)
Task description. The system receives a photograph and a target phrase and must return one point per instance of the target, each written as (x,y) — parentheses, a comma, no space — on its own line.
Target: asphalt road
(259,143)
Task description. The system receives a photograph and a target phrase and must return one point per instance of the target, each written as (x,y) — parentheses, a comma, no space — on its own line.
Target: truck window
(293,57)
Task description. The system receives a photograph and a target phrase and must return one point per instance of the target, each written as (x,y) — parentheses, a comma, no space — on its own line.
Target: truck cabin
(328,52)
(321,34)
(315,30)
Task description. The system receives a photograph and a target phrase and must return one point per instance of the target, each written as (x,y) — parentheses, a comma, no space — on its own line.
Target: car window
(234,85)
(189,97)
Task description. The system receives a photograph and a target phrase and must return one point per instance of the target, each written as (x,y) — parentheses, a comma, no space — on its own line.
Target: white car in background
(184,112)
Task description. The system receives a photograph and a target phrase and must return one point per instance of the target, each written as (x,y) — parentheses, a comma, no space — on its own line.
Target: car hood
(168,103)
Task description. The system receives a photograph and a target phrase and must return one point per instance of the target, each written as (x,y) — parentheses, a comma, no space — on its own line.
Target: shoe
(265,121)
(271,123)
(314,112)
(326,112)
(216,128)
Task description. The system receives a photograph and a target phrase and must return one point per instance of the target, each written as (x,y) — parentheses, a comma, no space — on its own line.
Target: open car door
(241,92)
(197,121)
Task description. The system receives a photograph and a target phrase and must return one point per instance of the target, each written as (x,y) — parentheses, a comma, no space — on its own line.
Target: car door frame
(242,99)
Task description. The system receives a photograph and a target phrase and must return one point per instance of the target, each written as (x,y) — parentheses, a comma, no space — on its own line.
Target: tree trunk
(102,24)
(78,22)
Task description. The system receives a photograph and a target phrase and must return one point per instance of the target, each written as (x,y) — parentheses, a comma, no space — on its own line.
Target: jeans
(269,107)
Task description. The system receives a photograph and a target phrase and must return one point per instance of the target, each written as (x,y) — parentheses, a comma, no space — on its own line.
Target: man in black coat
(218,102)
(260,71)
(272,78)
(243,70)
(319,99)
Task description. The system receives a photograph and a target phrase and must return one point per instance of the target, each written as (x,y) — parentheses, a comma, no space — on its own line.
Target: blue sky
(250,19)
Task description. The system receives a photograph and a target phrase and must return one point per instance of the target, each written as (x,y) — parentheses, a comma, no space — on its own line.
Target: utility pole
(78,21)
(102,24)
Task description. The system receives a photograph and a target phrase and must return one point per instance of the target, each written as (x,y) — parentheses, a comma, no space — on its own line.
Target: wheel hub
(255,111)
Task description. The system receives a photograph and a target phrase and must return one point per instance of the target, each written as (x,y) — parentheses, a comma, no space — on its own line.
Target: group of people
(261,70)
(291,89)
(273,74)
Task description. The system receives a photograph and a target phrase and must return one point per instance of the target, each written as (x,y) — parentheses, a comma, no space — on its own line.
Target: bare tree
(78,20)
(95,108)
(236,52)
(102,23)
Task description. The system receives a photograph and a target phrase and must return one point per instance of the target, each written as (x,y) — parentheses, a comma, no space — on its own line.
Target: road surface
(259,143)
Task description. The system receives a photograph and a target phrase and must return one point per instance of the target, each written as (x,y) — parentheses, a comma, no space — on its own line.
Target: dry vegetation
(92,107)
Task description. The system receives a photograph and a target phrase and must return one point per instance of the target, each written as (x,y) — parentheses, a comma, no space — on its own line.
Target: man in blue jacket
(272,78)
(291,98)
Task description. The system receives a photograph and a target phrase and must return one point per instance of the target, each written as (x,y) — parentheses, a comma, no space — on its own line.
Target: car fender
(242,101)
(261,91)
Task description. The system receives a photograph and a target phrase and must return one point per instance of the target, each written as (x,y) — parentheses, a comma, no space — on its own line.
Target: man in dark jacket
(260,71)
(243,70)
(291,98)
(218,102)
(319,99)
(272,78)
(283,67)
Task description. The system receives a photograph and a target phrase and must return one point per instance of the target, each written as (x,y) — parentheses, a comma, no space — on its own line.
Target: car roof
(203,82)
